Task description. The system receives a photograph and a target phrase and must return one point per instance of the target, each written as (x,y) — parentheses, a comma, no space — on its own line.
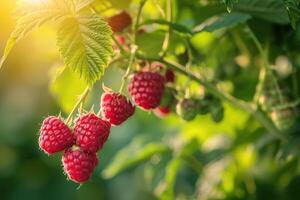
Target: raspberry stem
(78,103)
(169,16)
(134,47)
(131,59)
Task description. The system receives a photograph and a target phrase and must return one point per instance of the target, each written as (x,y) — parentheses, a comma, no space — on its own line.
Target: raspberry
(146,89)
(187,109)
(119,21)
(91,132)
(162,111)
(79,165)
(169,76)
(116,108)
(55,135)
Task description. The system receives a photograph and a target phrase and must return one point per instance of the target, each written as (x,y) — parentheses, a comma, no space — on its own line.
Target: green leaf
(85,45)
(170,178)
(32,15)
(132,156)
(175,26)
(66,87)
(292,7)
(269,10)
(229,4)
(224,21)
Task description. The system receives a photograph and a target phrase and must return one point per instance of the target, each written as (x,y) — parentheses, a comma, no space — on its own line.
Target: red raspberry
(162,111)
(169,76)
(116,108)
(79,165)
(119,21)
(146,89)
(55,135)
(91,132)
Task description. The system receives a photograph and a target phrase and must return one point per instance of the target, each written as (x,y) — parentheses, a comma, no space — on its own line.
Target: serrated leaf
(292,7)
(130,157)
(32,15)
(66,87)
(224,21)
(85,45)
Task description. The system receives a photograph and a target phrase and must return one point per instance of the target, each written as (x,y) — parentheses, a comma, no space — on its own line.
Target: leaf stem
(166,42)
(266,66)
(131,59)
(78,103)
(119,45)
(133,46)
(137,21)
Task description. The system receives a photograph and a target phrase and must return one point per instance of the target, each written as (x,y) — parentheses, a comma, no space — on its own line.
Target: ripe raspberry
(146,89)
(162,111)
(91,132)
(169,76)
(79,165)
(55,135)
(119,21)
(116,108)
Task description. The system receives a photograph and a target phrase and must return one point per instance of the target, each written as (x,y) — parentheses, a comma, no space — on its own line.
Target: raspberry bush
(180,67)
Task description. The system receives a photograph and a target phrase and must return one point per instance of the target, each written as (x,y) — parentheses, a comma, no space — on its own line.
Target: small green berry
(203,106)
(217,112)
(187,109)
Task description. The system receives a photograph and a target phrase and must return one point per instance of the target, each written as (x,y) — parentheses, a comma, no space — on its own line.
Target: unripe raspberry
(78,164)
(91,132)
(217,110)
(146,89)
(55,135)
(116,108)
(119,21)
(203,106)
(187,109)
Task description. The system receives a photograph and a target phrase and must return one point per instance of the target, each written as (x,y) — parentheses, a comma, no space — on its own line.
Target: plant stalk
(78,103)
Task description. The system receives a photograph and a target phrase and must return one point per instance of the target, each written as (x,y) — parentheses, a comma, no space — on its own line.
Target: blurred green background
(233,159)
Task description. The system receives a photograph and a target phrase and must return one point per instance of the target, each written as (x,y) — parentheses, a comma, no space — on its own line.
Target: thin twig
(81,99)
(246,106)
(166,42)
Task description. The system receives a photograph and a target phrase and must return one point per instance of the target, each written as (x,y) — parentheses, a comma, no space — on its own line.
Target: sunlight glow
(32,1)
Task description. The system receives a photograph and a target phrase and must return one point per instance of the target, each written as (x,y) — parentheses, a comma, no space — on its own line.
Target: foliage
(240,62)
(83,39)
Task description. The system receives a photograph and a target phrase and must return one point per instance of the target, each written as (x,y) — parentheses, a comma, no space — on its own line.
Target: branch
(248,107)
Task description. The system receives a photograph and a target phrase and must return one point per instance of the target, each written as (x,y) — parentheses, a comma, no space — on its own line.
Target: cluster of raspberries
(89,133)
